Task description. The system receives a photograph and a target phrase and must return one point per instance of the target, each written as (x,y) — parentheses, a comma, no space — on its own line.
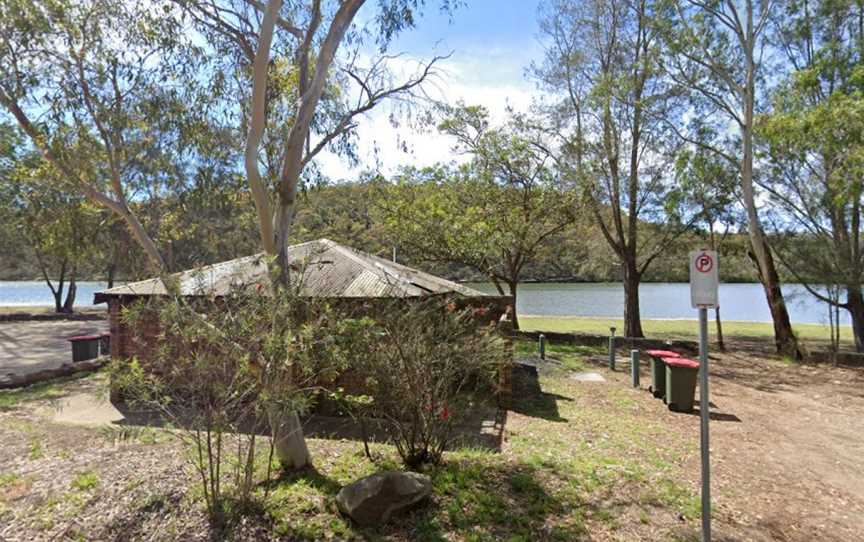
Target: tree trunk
(855,306)
(632,317)
(112,270)
(58,292)
(784,338)
(720,342)
(69,304)
(512,286)
(288,440)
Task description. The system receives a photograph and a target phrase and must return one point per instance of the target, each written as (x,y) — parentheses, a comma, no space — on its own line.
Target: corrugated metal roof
(325,269)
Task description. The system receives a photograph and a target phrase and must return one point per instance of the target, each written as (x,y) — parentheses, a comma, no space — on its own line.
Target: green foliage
(85,481)
(421,362)
(493,214)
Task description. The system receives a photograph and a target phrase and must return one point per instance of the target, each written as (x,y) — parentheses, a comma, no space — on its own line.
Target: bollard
(634,367)
(612,349)
(542,346)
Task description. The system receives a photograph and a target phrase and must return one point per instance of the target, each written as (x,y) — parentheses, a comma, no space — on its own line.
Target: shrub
(422,362)
(220,367)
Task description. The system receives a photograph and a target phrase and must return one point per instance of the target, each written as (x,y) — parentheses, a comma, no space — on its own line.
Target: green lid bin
(658,371)
(681,375)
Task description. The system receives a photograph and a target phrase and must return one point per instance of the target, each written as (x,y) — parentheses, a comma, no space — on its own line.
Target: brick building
(322,268)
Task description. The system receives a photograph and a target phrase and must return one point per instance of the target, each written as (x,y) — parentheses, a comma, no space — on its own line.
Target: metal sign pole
(703,414)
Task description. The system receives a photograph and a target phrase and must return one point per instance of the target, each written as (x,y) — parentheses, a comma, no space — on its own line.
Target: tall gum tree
(316,100)
(305,97)
(602,61)
(75,77)
(717,50)
(815,148)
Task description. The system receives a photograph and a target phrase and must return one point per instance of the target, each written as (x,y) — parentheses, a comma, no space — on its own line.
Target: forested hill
(217,224)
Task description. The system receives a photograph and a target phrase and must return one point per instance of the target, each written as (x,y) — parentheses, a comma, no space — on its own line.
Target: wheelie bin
(658,371)
(681,375)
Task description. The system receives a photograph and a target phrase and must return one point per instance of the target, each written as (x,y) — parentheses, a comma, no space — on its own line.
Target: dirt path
(790,469)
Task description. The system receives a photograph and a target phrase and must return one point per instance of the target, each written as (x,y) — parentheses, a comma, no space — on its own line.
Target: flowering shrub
(423,361)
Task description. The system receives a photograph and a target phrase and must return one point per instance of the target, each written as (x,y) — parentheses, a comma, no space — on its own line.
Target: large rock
(371,500)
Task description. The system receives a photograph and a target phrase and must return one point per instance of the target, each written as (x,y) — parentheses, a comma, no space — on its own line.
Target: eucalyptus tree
(95,85)
(306,71)
(602,61)
(707,184)
(303,94)
(492,214)
(718,50)
(815,147)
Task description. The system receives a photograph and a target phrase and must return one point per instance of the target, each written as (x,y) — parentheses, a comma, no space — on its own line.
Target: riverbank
(676,329)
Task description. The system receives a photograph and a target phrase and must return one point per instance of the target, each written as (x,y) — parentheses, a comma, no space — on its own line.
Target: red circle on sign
(704,263)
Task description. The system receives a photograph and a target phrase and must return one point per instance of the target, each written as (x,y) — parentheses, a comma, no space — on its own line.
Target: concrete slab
(86,409)
(31,346)
(588,377)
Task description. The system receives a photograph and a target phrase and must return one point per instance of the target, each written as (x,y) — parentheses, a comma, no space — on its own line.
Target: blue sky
(491,44)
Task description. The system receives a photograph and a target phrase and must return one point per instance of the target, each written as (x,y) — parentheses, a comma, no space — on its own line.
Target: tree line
(190,130)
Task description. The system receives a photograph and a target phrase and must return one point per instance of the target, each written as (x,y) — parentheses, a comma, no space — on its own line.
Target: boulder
(372,500)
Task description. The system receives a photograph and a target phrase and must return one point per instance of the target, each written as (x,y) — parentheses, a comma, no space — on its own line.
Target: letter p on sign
(704,278)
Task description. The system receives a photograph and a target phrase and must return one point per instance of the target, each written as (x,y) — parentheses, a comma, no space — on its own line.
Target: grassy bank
(674,329)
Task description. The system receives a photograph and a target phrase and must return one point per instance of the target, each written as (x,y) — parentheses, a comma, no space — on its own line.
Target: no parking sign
(704,277)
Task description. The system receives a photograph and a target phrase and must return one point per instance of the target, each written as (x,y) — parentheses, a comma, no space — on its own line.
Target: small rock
(372,500)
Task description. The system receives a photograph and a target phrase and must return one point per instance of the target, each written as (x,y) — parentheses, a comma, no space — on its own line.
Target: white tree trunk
(288,440)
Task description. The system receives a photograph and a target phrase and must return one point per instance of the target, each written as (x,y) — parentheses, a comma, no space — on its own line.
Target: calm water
(658,300)
(35,293)
(661,300)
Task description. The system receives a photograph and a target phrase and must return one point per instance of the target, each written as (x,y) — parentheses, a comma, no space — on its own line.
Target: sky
(492,43)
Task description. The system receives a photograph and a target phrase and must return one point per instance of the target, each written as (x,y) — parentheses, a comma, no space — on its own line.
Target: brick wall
(143,341)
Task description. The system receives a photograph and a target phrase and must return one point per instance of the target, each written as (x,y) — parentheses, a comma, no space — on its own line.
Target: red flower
(445,413)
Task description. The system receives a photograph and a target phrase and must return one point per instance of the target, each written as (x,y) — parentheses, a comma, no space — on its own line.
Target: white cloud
(492,78)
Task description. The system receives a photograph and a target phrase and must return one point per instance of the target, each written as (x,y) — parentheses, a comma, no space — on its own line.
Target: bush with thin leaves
(422,362)
(220,368)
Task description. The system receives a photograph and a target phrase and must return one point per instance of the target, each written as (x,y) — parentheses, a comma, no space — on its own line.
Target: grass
(673,329)
(571,356)
(578,462)
(85,481)
(573,463)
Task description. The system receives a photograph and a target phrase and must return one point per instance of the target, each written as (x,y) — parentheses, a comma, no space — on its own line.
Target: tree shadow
(762,373)
(482,427)
(530,400)
(310,476)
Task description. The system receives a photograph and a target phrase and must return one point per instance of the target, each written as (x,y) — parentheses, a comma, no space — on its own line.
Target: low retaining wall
(49,316)
(587,339)
(19,381)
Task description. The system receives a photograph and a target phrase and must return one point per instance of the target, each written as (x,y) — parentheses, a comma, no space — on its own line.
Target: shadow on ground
(482,428)
(530,400)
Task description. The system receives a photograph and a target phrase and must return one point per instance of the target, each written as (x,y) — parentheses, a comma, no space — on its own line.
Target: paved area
(31,346)
(588,377)
(87,409)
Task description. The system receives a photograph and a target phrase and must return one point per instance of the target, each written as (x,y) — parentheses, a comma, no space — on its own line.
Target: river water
(661,300)
(23,293)
(658,300)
